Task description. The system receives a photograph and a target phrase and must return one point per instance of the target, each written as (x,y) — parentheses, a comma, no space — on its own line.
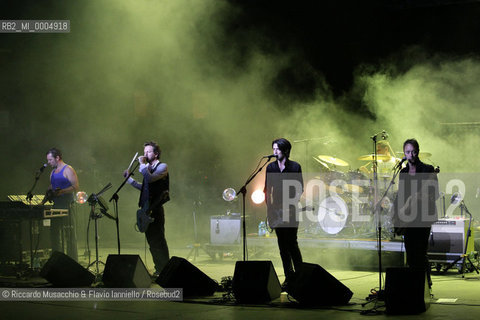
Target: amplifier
(447,240)
(225,229)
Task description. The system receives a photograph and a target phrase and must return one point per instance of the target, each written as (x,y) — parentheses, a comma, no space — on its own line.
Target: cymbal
(370,157)
(333,160)
(321,162)
(421,155)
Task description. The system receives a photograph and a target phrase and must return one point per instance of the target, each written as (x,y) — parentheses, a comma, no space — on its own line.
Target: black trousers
(156,239)
(289,251)
(416,247)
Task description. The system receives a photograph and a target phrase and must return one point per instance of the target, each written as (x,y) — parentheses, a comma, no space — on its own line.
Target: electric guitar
(144,214)
(144,217)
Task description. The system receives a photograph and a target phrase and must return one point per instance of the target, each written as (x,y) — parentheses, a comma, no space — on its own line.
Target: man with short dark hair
(153,194)
(281,211)
(414,208)
(63,185)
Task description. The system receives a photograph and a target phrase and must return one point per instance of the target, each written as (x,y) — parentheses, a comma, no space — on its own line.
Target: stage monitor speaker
(225,229)
(63,272)
(255,282)
(125,271)
(316,287)
(406,291)
(179,273)
(448,238)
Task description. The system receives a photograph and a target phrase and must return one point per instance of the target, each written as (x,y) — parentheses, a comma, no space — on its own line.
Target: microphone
(269,157)
(399,165)
(42,167)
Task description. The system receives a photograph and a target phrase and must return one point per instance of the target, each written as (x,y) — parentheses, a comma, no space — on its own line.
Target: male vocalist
(414,208)
(281,212)
(154,193)
(63,185)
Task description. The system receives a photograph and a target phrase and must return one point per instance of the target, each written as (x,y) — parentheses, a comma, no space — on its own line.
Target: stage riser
(338,254)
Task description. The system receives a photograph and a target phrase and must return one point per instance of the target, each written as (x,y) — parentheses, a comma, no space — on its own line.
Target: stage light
(229,194)
(81,197)
(258,196)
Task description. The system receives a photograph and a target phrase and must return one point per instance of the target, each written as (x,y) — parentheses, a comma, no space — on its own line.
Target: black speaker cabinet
(18,236)
(406,291)
(62,271)
(316,287)
(255,282)
(125,271)
(179,273)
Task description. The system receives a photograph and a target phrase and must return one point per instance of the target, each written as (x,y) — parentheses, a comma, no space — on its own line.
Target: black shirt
(415,203)
(275,181)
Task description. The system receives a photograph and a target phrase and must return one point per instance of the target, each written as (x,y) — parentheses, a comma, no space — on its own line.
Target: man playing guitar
(153,194)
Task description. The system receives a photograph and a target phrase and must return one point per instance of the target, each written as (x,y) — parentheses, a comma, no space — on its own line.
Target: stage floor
(454,297)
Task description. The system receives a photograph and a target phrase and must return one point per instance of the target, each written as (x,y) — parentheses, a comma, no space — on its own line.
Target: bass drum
(332,214)
(343,215)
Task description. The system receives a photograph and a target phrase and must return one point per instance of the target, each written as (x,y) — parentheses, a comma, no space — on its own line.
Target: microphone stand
(29,199)
(380,295)
(243,191)
(37,176)
(115,198)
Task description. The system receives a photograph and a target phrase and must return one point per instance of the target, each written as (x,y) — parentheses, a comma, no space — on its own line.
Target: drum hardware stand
(196,245)
(326,140)
(93,200)
(455,199)
(444,207)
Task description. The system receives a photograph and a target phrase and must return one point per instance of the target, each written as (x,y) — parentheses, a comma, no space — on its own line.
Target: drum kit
(344,208)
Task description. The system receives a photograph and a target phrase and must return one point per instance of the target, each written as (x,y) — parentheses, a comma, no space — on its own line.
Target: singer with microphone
(414,209)
(63,186)
(281,214)
(154,192)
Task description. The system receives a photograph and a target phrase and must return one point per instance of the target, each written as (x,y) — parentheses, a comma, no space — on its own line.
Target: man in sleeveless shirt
(154,192)
(63,185)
